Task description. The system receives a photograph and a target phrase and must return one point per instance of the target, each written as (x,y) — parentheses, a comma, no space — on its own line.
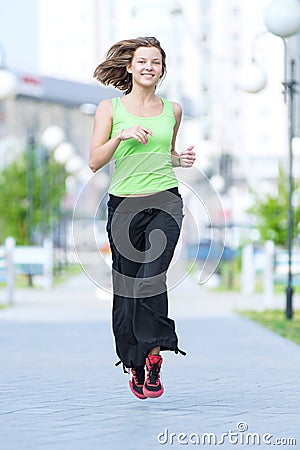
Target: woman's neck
(143,103)
(142,96)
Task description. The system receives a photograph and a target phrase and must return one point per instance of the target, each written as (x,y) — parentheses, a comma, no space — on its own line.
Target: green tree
(31,190)
(271,211)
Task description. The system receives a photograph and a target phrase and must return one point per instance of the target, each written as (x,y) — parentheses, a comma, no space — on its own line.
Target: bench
(281,267)
(28,260)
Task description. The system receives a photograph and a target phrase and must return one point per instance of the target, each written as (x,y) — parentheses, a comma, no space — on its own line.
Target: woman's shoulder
(104,104)
(175,107)
(107,105)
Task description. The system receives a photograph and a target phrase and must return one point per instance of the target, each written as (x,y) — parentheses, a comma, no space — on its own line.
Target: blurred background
(224,66)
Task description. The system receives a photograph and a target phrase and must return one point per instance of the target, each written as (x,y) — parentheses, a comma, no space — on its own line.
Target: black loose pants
(143,233)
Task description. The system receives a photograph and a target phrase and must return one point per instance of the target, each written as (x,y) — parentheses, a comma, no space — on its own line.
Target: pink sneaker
(153,387)
(137,382)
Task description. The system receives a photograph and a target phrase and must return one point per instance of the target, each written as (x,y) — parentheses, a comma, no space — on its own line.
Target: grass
(276,321)
(66,273)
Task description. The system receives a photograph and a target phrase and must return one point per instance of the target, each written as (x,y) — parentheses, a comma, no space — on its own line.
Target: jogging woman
(138,130)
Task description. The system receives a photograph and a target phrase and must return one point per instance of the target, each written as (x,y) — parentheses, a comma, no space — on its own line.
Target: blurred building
(40,102)
(68,38)
(48,116)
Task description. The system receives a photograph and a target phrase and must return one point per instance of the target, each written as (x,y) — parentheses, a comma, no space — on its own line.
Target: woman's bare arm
(187,157)
(178,115)
(102,146)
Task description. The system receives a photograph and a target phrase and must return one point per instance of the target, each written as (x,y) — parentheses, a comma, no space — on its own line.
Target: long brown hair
(113,70)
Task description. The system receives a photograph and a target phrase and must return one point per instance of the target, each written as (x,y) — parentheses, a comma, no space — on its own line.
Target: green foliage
(31,190)
(276,321)
(271,211)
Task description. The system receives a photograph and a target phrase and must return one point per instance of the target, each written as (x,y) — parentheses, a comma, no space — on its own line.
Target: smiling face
(146,66)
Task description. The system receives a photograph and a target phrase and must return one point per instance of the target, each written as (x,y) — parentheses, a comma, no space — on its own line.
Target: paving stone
(60,389)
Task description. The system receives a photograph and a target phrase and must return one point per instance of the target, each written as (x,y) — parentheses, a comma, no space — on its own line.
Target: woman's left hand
(187,157)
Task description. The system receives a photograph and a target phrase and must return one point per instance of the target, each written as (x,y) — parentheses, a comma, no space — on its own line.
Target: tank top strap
(115,101)
(168,107)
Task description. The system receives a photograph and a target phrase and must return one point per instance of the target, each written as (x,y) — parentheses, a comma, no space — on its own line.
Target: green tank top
(143,169)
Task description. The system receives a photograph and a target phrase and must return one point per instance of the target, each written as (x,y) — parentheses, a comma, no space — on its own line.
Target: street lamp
(254,78)
(52,137)
(63,152)
(74,164)
(282,18)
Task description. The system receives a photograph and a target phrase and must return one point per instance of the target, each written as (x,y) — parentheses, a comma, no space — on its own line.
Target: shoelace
(153,375)
(138,375)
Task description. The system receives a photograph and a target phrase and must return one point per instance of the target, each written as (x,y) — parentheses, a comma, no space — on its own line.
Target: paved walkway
(61,391)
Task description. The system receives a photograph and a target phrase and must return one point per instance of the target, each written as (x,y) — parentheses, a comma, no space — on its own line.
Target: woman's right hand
(139,133)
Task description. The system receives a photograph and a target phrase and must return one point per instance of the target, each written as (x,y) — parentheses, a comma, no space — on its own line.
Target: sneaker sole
(153,394)
(140,396)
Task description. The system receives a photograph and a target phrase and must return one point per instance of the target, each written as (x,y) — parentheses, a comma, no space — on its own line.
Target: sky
(18,21)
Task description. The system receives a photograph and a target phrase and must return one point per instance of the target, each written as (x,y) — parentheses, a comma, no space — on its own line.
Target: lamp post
(289,90)
(51,139)
(282,18)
